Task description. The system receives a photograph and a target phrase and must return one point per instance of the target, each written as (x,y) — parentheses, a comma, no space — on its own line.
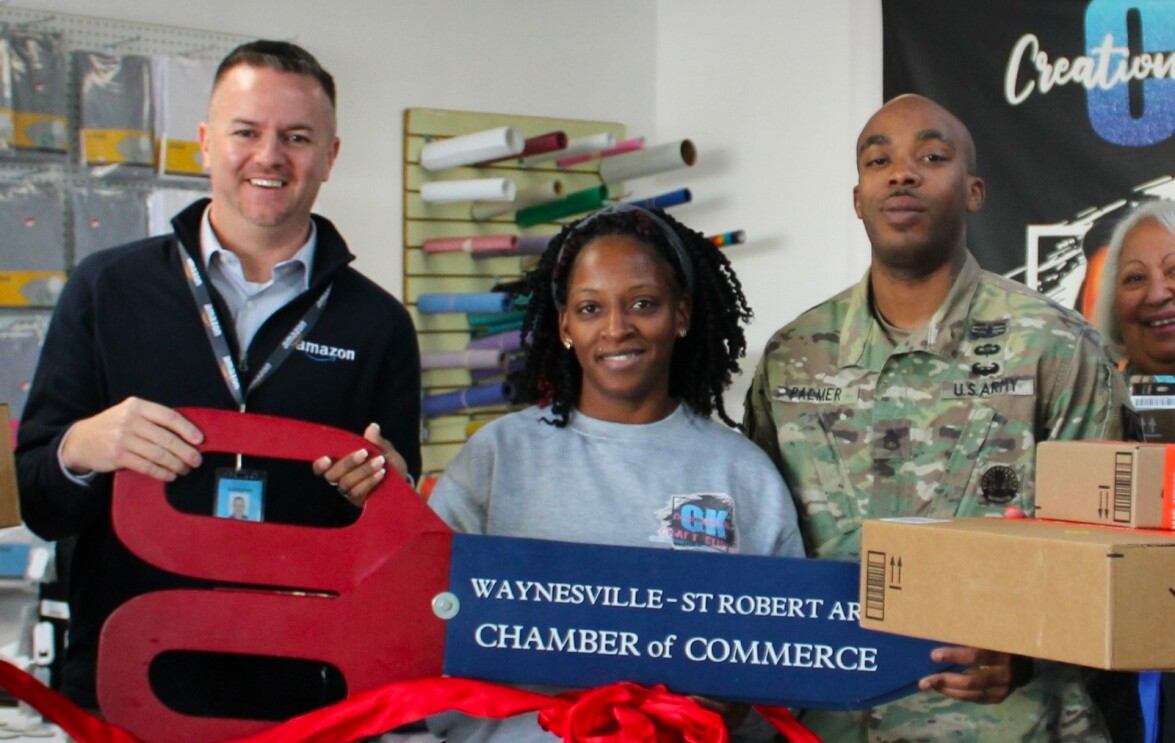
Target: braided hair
(703,362)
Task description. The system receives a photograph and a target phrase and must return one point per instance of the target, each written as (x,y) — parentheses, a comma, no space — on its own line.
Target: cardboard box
(1090,595)
(1154,399)
(1158,424)
(1106,482)
(9,501)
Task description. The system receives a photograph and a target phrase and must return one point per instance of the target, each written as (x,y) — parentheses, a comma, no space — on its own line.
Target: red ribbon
(618,712)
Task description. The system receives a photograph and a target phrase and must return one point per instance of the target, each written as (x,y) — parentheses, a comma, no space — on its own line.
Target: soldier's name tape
(831,395)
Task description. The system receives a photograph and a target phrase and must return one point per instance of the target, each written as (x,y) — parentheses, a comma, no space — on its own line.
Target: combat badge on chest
(984,355)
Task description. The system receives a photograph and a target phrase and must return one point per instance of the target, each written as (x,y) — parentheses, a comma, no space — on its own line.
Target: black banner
(1072,107)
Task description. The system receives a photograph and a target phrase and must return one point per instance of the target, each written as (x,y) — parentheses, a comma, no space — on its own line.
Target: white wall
(773,92)
(533,57)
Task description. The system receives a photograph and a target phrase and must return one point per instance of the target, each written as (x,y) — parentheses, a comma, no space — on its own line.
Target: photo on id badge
(240,494)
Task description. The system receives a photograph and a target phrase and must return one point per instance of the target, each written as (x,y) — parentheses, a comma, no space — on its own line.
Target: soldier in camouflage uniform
(923,391)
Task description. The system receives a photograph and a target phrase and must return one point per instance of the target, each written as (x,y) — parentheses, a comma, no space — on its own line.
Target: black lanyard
(220,347)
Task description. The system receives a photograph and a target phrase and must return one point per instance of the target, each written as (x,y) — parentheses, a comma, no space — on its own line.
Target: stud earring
(681,333)
(567,343)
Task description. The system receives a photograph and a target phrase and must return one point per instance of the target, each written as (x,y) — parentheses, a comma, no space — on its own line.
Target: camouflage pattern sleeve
(758,422)
(1087,398)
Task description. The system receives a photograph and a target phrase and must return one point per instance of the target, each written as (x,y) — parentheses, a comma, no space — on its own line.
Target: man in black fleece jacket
(132,338)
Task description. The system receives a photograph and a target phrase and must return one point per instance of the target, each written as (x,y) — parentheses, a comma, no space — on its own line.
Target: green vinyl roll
(480,330)
(576,203)
(486,319)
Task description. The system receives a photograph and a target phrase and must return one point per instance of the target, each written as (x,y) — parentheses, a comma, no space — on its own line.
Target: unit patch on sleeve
(999,484)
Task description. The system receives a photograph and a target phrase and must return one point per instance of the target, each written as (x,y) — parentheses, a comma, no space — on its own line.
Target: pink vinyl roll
(478,245)
(628,145)
(590,143)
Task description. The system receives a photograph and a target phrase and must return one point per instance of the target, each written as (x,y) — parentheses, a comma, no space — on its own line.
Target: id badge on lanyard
(240,492)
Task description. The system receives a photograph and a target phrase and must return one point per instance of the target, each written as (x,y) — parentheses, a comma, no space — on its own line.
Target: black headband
(687,267)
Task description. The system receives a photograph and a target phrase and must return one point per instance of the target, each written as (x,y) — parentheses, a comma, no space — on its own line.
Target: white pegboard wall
(122,37)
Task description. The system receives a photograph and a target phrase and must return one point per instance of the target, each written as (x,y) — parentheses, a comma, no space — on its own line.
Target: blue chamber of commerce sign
(765,630)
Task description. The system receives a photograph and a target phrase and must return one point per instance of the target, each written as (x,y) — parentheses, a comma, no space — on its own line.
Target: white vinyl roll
(649,161)
(540,193)
(590,143)
(476,189)
(467,149)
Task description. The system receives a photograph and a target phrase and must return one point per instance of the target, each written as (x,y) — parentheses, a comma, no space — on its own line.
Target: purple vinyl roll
(470,397)
(509,341)
(533,244)
(511,366)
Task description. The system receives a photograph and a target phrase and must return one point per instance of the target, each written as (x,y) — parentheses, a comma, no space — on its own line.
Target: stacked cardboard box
(1091,581)
(1091,595)
(1154,399)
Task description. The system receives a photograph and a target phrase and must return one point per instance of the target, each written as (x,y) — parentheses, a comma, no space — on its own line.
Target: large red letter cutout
(385,568)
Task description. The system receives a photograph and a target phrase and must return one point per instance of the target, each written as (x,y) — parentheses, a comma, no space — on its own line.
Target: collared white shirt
(251,303)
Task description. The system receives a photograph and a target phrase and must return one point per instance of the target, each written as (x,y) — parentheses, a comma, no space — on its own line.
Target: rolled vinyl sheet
(734,237)
(105,217)
(467,149)
(659,159)
(544,143)
(665,200)
(489,322)
(477,245)
(509,341)
(474,189)
(533,244)
(478,358)
(40,100)
(574,203)
(474,302)
(539,193)
(628,145)
(512,366)
(472,397)
(117,121)
(579,145)
(182,86)
(484,327)
(537,145)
